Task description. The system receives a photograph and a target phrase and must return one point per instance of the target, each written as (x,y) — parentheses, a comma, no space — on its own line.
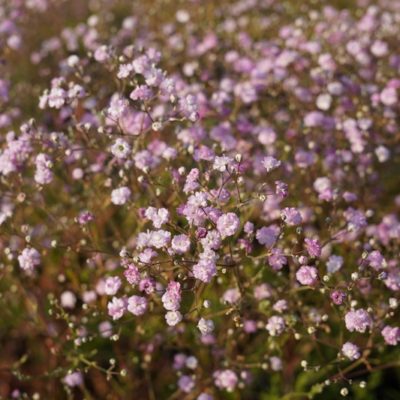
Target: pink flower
(231,296)
(376,260)
(313,247)
(132,274)
(225,379)
(101,54)
(206,326)
(73,379)
(275,325)
(355,218)
(277,259)
(222,163)
(358,320)
(173,318)
(338,297)
(388,96)
(158,216)
(270,163)
(291,216)
(120,148)
(172,297)
(186,383)
(204,270)
(307,275)
(112,285)
(180,244)
(391,335)
(160,238)
(212,240)
(116,307)
(120,196)
(117,107)
(351,351)
(43,174)
(228,224)
(334,264)
(68,299)
(142,92)
(29,259)
(267,235)
(137,305)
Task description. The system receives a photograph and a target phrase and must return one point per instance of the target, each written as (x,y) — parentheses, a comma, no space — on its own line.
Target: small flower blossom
(43,174)
(101,54)
(73,379)
(376,260)
(120,195)
(291,216)
(382,153)
(29,259)
(231,296)
(307,275)
(68,299)
(147,285)
(313,247)
(204,270)
(355,218)
(137,305)
(189,108)
(323,186)
(56,98)
(160,238)
(204,396)
(85,217)
(173,318)
(118,106)
(270,163)
(112,284)
(120,149)
(277,259)
(225,379)
(248,227)
(338,297)
(276,363)
(205,326)
(275,325)
(358,320)
(280,306)
(391,335)
(351,351)
(158,216)
(267,236)
(172,297)
(142,92)
(180,244)
(389,97)
(186,383)
(222,164)
(132,274)
(334,264)
(116,308)
(228,224)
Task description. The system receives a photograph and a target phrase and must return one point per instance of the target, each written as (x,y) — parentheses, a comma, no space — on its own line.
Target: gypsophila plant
(199,199)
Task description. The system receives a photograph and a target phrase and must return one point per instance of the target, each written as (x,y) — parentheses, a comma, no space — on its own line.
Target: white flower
(120,148)
(173,317)
(205,326)
(270,163)
(221,163)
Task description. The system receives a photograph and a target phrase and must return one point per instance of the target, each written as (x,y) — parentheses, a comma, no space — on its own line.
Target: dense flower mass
(199,200)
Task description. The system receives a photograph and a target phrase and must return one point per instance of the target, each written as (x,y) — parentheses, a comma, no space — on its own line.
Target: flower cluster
(195,209)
